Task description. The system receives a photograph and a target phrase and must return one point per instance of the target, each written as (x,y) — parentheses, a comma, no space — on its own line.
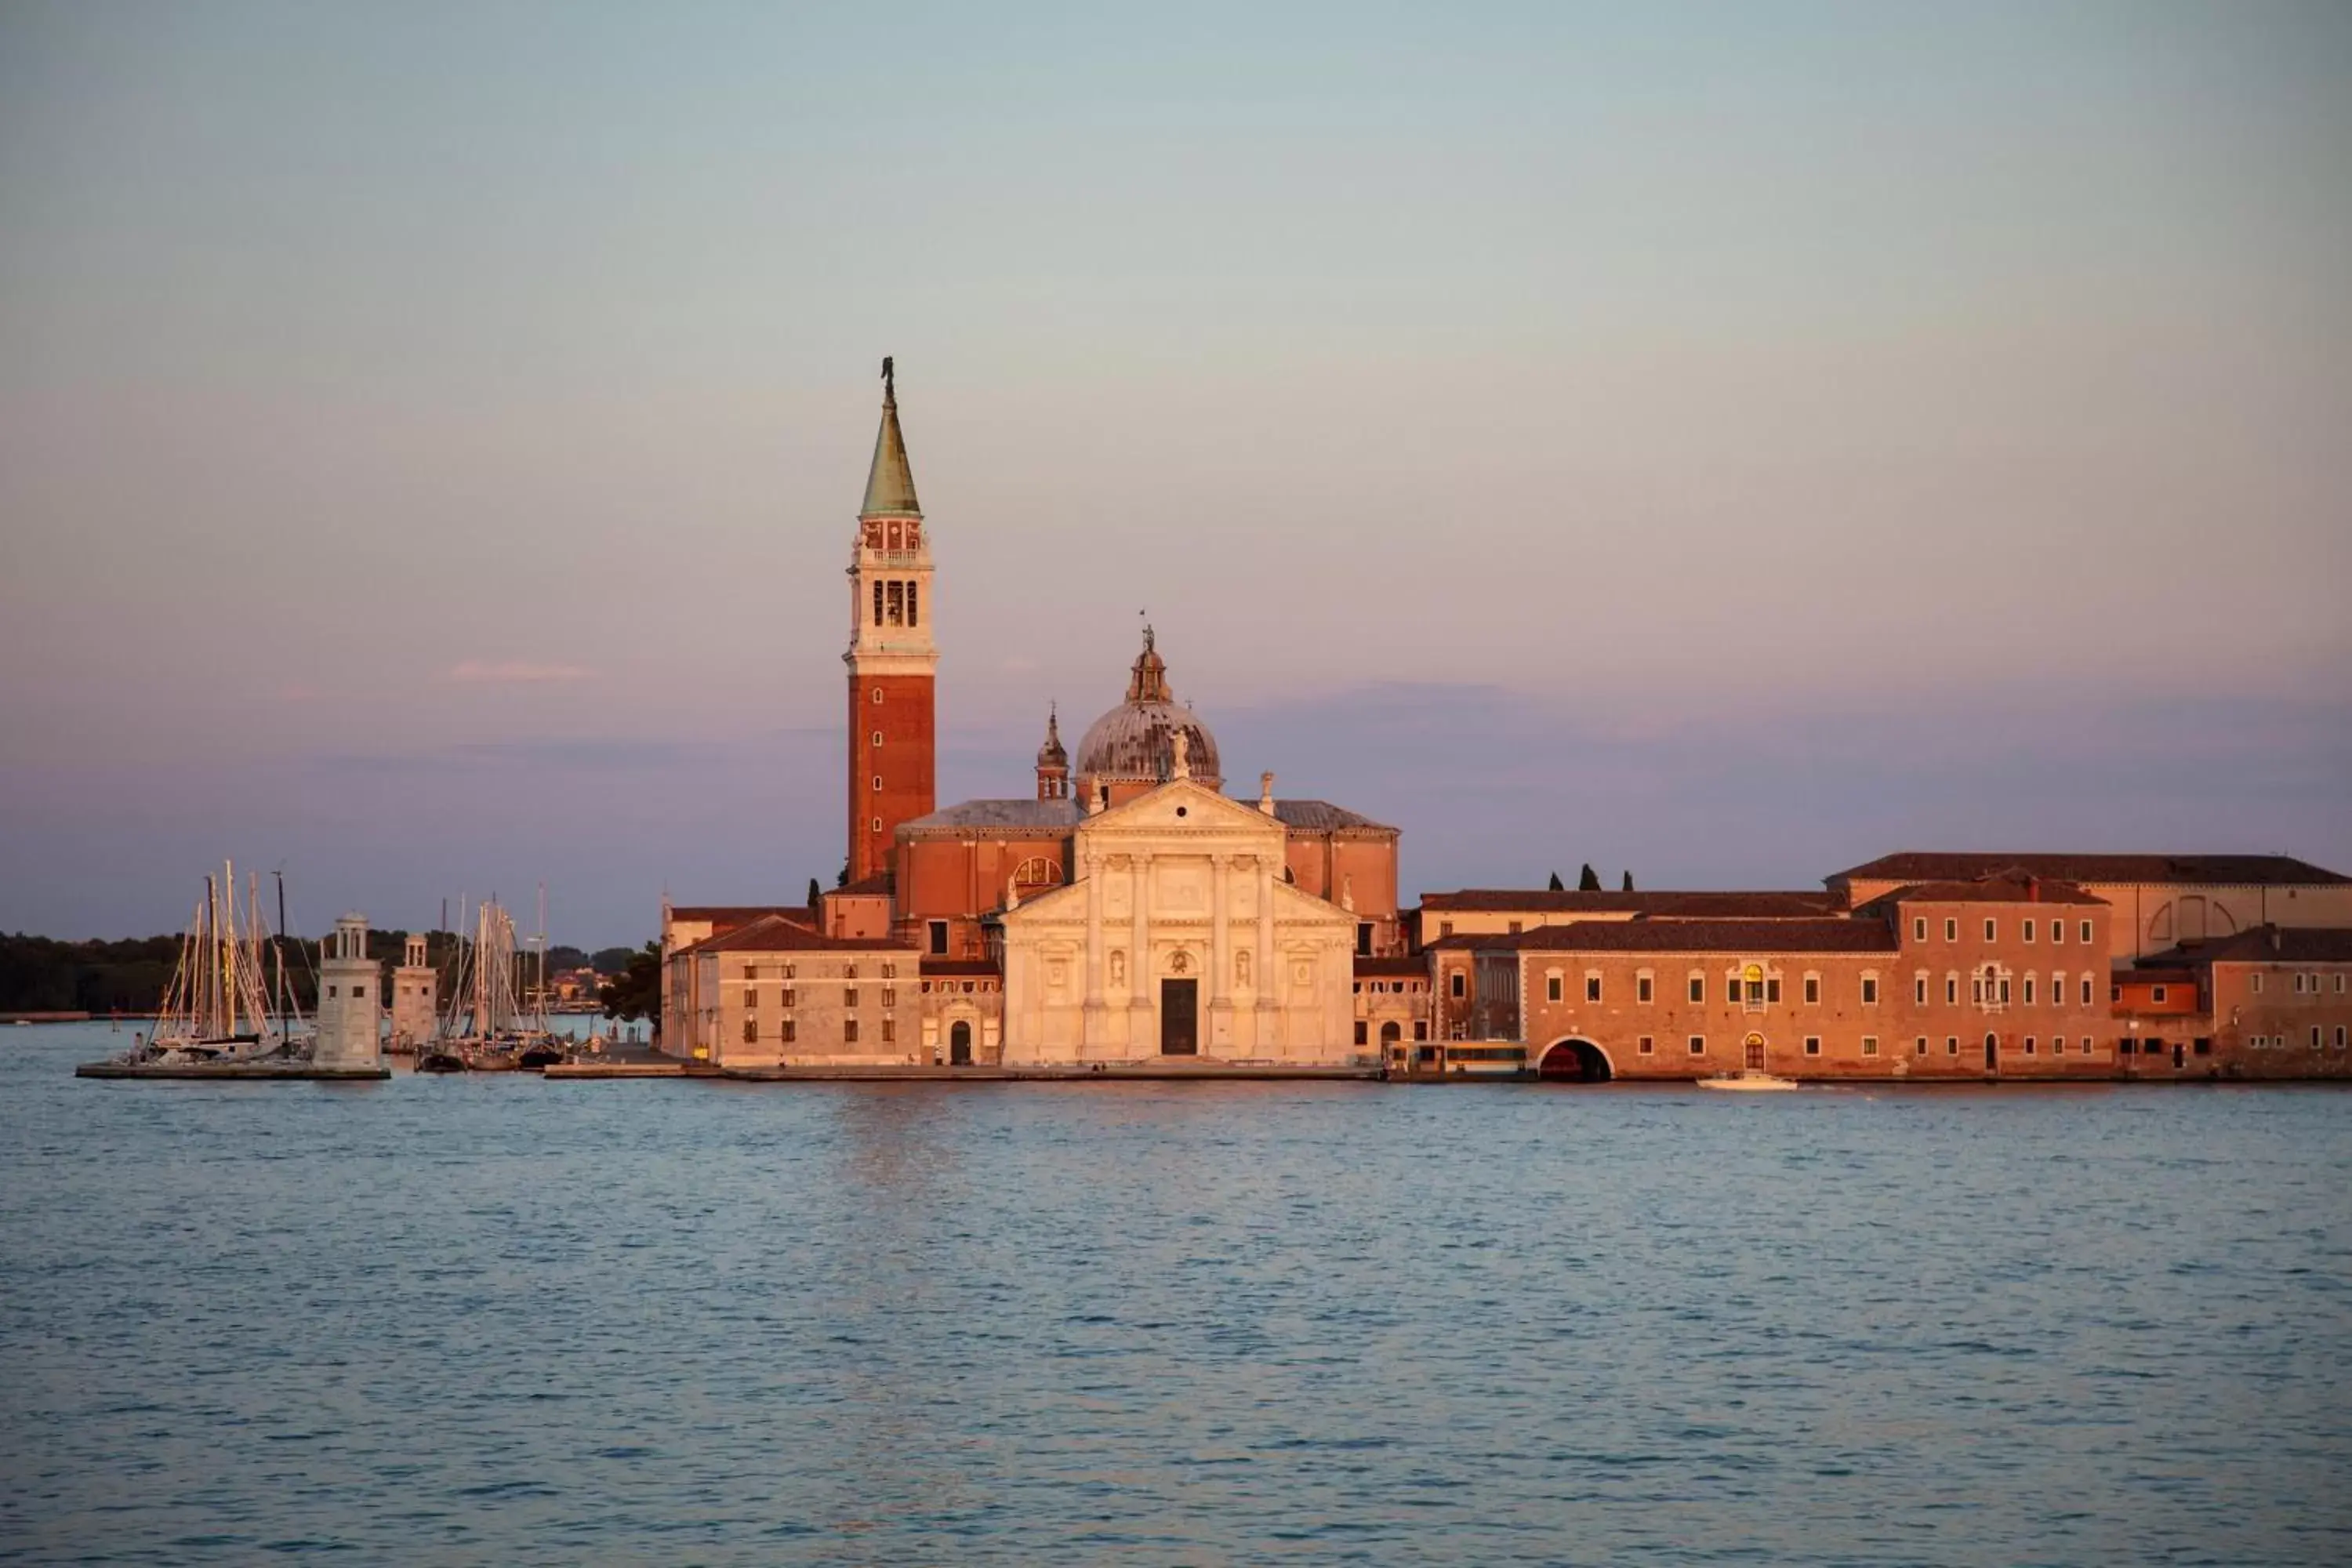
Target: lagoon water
(499,1320)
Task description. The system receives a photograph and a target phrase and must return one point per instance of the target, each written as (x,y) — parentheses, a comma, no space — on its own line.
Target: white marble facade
(1178,907)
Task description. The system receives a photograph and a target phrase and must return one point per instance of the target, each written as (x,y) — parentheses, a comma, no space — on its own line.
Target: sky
(1725,442)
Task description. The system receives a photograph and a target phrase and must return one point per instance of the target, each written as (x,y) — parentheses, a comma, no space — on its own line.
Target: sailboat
(489,1027)
(223,1005)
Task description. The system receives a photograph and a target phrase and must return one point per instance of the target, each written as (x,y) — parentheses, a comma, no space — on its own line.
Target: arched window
(1037,871)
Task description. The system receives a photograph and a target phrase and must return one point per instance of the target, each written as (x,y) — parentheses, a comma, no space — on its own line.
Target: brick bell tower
(892,659)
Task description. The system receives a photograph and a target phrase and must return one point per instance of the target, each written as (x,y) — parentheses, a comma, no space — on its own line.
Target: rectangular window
(849,997)
(2028,931)
(1592,988)
(1698,987)
(2339,1037)
(1952,1045)
(889,997)
(898,604)
(2057,933)
(889,1030)
(2315,1036)
(332,992)
(1517,926)
(750,1031)
(2085,932)
(1812,989)
(2298,984)
(1951,931)
(2156,995)
(2004,990)
(939,939)
(751,998)
(2203,1045)
(878,619)
(1920,928)
(2029,990)
(1460,985)
(2087,990)
(790,1034)
(1772,989)
(1363,939)
(2255,983)
(913,617)
(1812,1045)
(2029,1045)
(1698,1044)
(1444,928)
(1919,991)
(849,1031)
(2339,985)
(1553,988)
(889,972)
(1648,1045)
(1920,1047)
(359,991)
(1870,990)
(1951,990)
(1363,1037)
(1642,989)
(1870,1044)
(1991,927)
(1421,1028)
(788,997)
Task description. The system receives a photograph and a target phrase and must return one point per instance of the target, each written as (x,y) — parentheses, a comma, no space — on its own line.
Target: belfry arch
(1575,1060)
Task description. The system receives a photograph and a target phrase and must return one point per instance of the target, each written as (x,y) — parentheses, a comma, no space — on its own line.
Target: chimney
(2033,890)
(1266,793)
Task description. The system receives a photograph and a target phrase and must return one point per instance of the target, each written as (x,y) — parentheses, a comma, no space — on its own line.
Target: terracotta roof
(739,914)
(1802,904)
(1032,816)
(2265,944)
(1321,816)
(2225,870)
(958,966)
(2154,975)
(1837,935)
(2003,889)
(774,934)
(1387,966)
(880,882)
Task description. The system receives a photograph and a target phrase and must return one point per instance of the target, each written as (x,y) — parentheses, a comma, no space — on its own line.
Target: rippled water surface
(495,1320)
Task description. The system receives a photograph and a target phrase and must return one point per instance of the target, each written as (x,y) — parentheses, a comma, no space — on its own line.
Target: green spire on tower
(890,483)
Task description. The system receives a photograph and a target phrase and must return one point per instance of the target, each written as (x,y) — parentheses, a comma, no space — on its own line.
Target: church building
(1125,909)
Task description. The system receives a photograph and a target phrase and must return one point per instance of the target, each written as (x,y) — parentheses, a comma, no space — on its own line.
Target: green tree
(816,895)
(610,960)
(1557,885)
(1628,882)
(636,992)
(1589,880)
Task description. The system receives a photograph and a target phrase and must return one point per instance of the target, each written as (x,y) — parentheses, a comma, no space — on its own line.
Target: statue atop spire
(890,483)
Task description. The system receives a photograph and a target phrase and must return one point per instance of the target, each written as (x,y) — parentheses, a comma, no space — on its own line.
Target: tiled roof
(737,914)
(2265,944)
(1839,935)
(1802,904)
(774,934)
(1031,815)
(1321,816)
(2224,870)
(880,882)
(2008,890)
(1383,967)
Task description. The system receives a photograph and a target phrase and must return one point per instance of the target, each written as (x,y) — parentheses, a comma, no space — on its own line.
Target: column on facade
(1091,868)
(1264,974)
(1138,961)
(1221,945)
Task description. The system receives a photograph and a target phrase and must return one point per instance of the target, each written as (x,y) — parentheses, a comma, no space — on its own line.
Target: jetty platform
(242,1071)
(1145,1073)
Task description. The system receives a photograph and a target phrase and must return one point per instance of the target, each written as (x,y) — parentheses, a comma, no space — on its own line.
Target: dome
(1135,741)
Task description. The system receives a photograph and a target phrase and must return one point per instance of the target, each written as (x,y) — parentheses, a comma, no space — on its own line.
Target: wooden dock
(239,1071)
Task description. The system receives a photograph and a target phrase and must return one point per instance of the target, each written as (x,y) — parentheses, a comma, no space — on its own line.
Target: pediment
(1184,808)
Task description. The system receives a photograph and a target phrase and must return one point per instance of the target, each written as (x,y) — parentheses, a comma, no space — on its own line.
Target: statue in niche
(1117,966)
(1240,967)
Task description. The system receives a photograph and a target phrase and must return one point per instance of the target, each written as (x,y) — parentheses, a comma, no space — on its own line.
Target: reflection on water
(496,1319)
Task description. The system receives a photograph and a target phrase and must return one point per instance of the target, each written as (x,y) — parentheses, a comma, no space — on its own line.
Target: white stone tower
(416,998)
(348,1032)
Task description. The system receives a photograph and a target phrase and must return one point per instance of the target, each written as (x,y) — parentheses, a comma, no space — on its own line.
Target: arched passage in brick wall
(1575,1061)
